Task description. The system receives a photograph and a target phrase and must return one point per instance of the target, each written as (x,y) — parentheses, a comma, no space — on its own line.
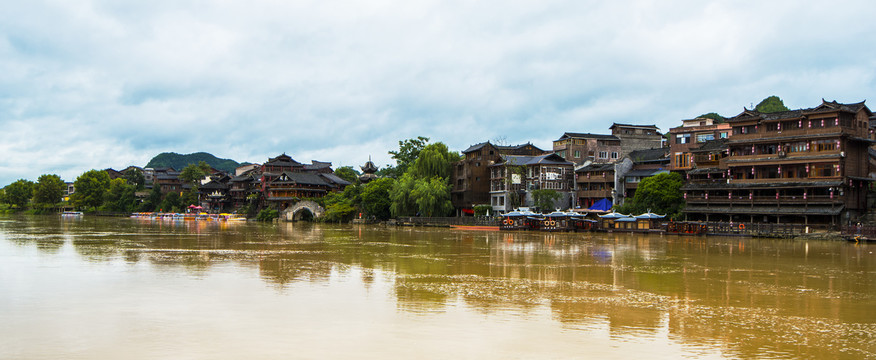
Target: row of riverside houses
(279,183)
(505,177)
(807,166)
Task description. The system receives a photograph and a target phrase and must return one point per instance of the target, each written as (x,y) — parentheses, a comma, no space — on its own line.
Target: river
(111,288)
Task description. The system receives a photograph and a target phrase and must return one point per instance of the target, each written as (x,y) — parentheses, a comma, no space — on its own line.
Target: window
(701,138)
(723,134)
(614,154)
(603,154)
(577,153)
(682,139)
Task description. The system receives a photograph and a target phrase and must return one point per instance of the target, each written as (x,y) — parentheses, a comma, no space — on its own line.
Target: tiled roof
(712,145)
(825,106)
(649,154)
(332,178)
(596,167)
(652,127)
(549,159)
(568,135)
(300,178)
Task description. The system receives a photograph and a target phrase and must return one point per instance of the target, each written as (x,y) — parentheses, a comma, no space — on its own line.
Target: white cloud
(337,81)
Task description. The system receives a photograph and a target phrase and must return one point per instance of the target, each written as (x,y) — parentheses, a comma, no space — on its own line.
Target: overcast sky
(97,84)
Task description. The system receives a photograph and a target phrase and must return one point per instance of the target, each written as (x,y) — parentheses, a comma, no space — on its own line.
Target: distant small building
(369,172)
(582,147)
(691,135)
(636,137)
(470,176)
(514,177)
(284,181)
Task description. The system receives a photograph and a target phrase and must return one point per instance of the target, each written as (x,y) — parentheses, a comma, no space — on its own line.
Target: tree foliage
(135,177)
(408,151)
(48,190)
(770,105)
(193,173)
(375,198)
(432,197)
(402,200)
(179,161)
(171,202)
(434,160)
(120,196)
(714,116)
(659,194)
(348,173)
(90,187)
(18,193)
(545,199)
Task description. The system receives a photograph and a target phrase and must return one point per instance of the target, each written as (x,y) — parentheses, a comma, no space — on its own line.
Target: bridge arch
(298,211)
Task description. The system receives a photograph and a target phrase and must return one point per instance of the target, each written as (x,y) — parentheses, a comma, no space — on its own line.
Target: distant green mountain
(179,161)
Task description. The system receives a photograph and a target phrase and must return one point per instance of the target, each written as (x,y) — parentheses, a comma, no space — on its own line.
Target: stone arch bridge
(296,212)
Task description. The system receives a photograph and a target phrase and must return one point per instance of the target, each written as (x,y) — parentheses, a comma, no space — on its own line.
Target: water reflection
(750,297)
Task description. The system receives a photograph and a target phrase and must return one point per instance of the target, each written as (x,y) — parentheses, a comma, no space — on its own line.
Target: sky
(95,84)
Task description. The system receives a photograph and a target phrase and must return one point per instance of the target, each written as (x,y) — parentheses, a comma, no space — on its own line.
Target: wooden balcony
(594,193)
(764,200)
(794,133)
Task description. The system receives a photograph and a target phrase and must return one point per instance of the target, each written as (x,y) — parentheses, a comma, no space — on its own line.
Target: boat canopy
(650,216)
(614,215)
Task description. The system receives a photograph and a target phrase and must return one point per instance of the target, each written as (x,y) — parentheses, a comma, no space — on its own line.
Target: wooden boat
(686,228)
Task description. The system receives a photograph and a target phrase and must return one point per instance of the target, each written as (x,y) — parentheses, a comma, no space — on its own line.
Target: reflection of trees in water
(282,271)
(749,294)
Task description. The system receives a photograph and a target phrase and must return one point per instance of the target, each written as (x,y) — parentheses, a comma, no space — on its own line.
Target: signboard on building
(516,179)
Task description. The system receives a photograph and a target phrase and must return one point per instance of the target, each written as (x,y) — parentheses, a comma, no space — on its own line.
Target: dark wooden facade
(806,166)
(471,175)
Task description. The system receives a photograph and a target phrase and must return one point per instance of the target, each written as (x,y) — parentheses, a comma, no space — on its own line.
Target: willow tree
(432,197)
(434,160)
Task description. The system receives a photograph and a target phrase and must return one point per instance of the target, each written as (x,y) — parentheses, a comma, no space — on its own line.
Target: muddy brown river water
(119,288)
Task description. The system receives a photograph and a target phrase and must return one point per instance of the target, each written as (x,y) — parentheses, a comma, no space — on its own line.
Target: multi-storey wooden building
(513,179)
(581,147)
(806,166)
(691,135)
(471,175)
(284,181)
(595,183)
(636,137)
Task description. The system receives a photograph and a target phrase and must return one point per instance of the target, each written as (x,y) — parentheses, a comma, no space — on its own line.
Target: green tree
(135,177)
(120,196)
(659,194)
(403,203)
(90,187)
(192,173)
(376,199)
(49,190)
(152,201)
(482,210)
(171,202)
(771,104)
(714,116)
(434,160)
(19,193)
(408,151)
(432,197)
(545,199)
(348,173)
(338,208)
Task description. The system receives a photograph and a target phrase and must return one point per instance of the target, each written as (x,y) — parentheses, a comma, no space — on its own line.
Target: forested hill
(179,161)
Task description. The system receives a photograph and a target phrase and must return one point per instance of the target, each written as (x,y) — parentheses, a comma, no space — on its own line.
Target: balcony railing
(764,200)
(762,134)
(594,193)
